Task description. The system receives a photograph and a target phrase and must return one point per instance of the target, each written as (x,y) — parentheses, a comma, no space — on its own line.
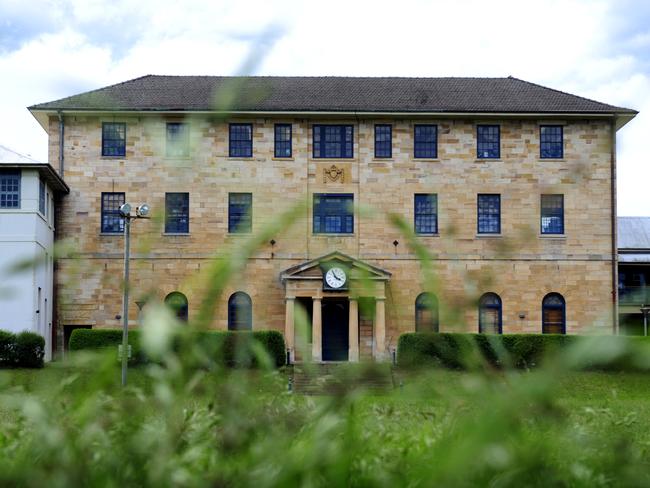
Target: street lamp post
(645,310)
(141,212)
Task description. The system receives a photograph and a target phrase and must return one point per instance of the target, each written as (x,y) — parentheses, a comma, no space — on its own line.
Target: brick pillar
(353,331)
(317,331)
(380,329)
(289,333)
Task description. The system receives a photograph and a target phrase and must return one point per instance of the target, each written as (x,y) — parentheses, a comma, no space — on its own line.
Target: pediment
(311,270)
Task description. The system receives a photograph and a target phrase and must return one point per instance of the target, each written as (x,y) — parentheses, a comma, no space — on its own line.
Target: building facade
(28,190)
(508,186)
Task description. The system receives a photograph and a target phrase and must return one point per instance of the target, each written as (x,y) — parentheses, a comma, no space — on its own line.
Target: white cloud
(633,167)
(591,48)
(44,69)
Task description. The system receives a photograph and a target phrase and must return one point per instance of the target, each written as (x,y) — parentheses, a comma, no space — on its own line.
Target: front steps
(341,378)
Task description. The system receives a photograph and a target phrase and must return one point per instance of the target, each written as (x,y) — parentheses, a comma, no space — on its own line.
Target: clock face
(335,277)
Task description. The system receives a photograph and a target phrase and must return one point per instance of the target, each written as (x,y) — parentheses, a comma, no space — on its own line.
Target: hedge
(238,348)
(227,348)
(7,341)
(460,351)
(97,339)
(23,350)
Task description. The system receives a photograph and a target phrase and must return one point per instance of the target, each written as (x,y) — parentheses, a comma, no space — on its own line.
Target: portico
(330,329)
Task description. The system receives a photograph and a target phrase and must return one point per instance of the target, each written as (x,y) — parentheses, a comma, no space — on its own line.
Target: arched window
(489,314)
(177,303)
(426,313)
(240,311)
(553,314)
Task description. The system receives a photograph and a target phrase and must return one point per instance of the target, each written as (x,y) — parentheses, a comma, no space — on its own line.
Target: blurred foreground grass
(69,425)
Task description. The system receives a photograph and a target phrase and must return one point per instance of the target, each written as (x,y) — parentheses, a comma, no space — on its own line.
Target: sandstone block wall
(520,264)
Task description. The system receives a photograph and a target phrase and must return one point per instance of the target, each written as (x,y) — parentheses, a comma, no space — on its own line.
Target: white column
(289,333)
(316,331)
(353,334)
(380,330)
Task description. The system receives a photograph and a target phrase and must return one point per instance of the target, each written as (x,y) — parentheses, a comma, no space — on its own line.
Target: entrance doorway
(336,313)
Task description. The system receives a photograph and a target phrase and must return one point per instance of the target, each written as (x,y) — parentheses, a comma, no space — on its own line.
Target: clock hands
(335,277)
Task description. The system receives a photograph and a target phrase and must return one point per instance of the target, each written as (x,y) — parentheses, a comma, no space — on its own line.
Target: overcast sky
(597,49)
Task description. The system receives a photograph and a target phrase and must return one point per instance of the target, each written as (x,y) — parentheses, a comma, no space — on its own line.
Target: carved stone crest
(333,174)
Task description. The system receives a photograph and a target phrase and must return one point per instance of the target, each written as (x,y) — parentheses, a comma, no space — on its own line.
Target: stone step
(332,378)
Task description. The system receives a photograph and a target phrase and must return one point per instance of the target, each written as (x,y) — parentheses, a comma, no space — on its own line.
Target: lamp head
(143,210)
(125,210)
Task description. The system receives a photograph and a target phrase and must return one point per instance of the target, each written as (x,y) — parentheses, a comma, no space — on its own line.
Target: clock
(335,278)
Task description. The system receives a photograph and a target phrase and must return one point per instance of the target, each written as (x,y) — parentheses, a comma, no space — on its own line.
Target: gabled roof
(359,269)
(331,94)
(10,159)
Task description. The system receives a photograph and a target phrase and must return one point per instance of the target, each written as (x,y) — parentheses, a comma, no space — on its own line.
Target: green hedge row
(23,350)
(96,339)
(225,347)
(454,350)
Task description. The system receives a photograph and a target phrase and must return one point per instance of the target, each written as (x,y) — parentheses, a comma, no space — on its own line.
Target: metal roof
(10,159)
(634,233)
(8,156)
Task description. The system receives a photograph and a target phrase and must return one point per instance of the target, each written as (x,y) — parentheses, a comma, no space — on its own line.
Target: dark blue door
(335,329)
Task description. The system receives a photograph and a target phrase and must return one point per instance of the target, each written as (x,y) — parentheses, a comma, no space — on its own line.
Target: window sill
(552,160)
(324,234)
(428,235)
(178,160)
(427,160)
(484,160)
(240,158)
(113,157)
(552,236)
(282,159)
(489,236)
(383,159)
(111,234)
(326,160)
(175,234)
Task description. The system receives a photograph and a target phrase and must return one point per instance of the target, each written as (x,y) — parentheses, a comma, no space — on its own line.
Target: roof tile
(329,94)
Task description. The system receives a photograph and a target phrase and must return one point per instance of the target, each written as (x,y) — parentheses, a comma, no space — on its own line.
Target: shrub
(242,348)
(24,350)
(232,349)
(273,343)
(29,350)
(7,345)
(453,350)
(528,350)
(97,339)
(428,349)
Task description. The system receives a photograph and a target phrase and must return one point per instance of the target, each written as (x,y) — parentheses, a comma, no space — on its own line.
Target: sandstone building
(510,186)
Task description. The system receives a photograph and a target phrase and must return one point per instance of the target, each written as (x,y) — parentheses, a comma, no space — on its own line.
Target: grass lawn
(443,426)
(625,397)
